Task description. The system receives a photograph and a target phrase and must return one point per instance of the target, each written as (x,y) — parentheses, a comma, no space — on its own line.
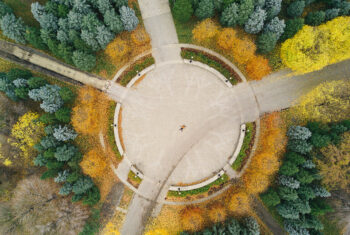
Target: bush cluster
(56,149)
(248,225)
(298,197)
(72,30)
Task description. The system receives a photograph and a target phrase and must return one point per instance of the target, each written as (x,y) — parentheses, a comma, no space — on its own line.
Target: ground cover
(246,148)
(200,192)
(110,127)
(212,61)
(133,179)
(134,69)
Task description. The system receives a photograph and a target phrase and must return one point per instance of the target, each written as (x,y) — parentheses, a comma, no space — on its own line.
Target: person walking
(182,127)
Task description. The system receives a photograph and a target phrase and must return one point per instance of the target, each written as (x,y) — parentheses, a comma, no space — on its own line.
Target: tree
(36,82)
(270,198)
(229,17)
(305,176)
(288,168)
(93,163)
(298,133)
(90,39)
(65,152)
(288,181)
(83,184)
(272,7)
(92,196)
(104,6)
(252,226)
(5,9)
(327,102)
(275,26)
(299,146)
(321,191)
(67,95)
(66,189)
(33,37)
(292,27)
(314,48)
(182,10)
(91,22)
(48,21)
(13,28)
(239,202)
(205,30)
(295,9)
(83,60)
(104,36)
(246,8)
(243,50)
(266,42)
(320,141)
(37,10)
(63,114)
(306,192)
(74,20)
(205,9)
(335,165)
(315,18)
(255,22)
(128,17)
(113,21)
(287,193)
(34,198)
(330,14)
(64,133)
(49,142)
(287,210)
(48,118)
(120,3)
(49,95)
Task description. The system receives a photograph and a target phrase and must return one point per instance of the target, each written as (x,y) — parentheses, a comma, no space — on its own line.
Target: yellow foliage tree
(192,219)
(158,232)
(227,38)
(239,203)
(110,229)
(265,162)
(258,67)
(327,102)
(139,36)
(26,133)
(243,50)
(313,48)
(89,111)
(93,163)
(117,49)
(205,30)
(335,166)
(217,213)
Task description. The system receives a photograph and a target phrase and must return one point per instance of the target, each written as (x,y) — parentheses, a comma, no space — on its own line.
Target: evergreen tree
(304,176)
(49,142)
(65,152)
(49,22)
(67,95)
(104,6)
(104,36)
(90,39)
(306,192)
(83,184)
(62,176)
(66,189)
(309,164)
(5,9)
(205,9)
(270,198)
(48,118)
(297,159)
(295,9)
(321,191)
(255,22)
(113,21)
(92,196)
(83,60)
(120,3)
(13,28)
(33,37)
(40,160)
(275,26)
(287,194)
(266,42)
(299,146)
(229,16)
(63,36)
(287,210)
(302,206)
(252,226)
(272,7)
(288,168)
(289,181)
(81,6)
(91,22)
(246,8)
(63,114)
(182,10)
(64,133)
(74,20)
(37,10)
(298,133)
(14,74)
(49,94)
(330,14)
(128,17)
(315,18)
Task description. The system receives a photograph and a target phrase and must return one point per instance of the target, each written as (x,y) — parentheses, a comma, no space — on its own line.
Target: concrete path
(159,24)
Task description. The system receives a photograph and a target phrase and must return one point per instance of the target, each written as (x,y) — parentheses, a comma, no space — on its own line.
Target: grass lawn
(22,9)
(184,30)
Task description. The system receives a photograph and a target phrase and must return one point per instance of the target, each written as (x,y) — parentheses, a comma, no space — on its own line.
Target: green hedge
(246,142)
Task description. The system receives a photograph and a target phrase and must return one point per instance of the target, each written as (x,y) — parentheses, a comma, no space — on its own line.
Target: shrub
(182,10)
(226,38)
(205,30)
(93,163)
(229,16)
(255,22)
(266,42)
(239,203)
(315,18)
(83,60)
(258,67)
(13,28)
(243,50)
(192,219)
(205,9)
(128,17)
(117,49)
(295,9)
